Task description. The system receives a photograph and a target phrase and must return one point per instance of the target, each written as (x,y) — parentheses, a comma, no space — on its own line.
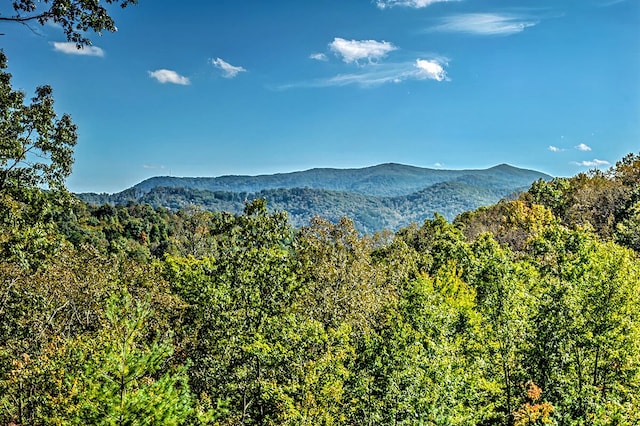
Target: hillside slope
(387,196)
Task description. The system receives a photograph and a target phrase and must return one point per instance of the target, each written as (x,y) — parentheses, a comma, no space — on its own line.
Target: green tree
(418,365)
(36,150)
(123,381)
(36,146)
(627,170)
(504,299)
(583,350)
(437,242)
(552,194)
(601,200)
(112,377)
(193,232)
(628,229)
(340,279)
(239,298)
(510,222)
(76,17)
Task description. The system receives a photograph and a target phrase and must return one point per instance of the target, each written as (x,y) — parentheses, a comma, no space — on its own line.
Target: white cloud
(430,69)
(417,4)
(583,147)
(169,76)
(592,163)
(228,70)
(319,56)
(355,50)
(554,149)
(485,24)
(71,49)
(152,166)
(438,165)
(378,74)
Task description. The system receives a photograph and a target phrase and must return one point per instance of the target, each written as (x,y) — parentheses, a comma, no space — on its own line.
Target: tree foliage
(36,149)
(76,17)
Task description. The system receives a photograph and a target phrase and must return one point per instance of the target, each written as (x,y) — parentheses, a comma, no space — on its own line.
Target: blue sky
(208,88)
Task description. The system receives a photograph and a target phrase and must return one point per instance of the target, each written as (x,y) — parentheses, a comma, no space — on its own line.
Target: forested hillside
(524,312)
(383,180)
(388,196)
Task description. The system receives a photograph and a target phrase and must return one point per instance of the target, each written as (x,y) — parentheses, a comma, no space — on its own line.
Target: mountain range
(386,196)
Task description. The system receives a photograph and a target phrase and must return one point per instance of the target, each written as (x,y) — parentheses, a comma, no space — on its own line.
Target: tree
(112,377)
(504,300)
(510,222)
(583,349)
(126,381)
(438,242)
(76,17)
(36,147)
(239,298)
(601,200)
(192,232)
(341,282)
(627,170)
(417,365)
(628,229)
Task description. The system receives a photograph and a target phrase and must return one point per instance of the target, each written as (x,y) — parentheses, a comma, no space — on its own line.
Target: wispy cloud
(592,163)
(485,24)
(71,49)
(228,70)
(355,50)
(608,3)
(169,76)
(371,69)
(319,57)
(583,147)
(417,4)
(554,149)
(383,73)
(153,166)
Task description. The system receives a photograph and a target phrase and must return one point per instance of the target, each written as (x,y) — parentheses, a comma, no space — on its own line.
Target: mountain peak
(504,166)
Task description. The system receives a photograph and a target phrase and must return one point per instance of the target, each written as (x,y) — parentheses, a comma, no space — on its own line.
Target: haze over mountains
(386,196)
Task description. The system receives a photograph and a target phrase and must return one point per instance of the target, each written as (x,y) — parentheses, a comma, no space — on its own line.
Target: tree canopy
(511,315)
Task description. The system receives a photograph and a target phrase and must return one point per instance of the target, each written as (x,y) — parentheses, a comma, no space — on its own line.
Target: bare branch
(22,19)
(25,22)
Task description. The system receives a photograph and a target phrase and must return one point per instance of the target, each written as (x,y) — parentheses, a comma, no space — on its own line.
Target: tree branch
(25,21)
(22,20)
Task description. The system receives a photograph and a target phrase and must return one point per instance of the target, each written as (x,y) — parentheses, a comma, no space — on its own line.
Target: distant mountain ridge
(388,179)
(384,196)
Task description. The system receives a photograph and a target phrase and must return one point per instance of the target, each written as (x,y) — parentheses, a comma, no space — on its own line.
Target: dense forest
(525,312)
(522,313)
